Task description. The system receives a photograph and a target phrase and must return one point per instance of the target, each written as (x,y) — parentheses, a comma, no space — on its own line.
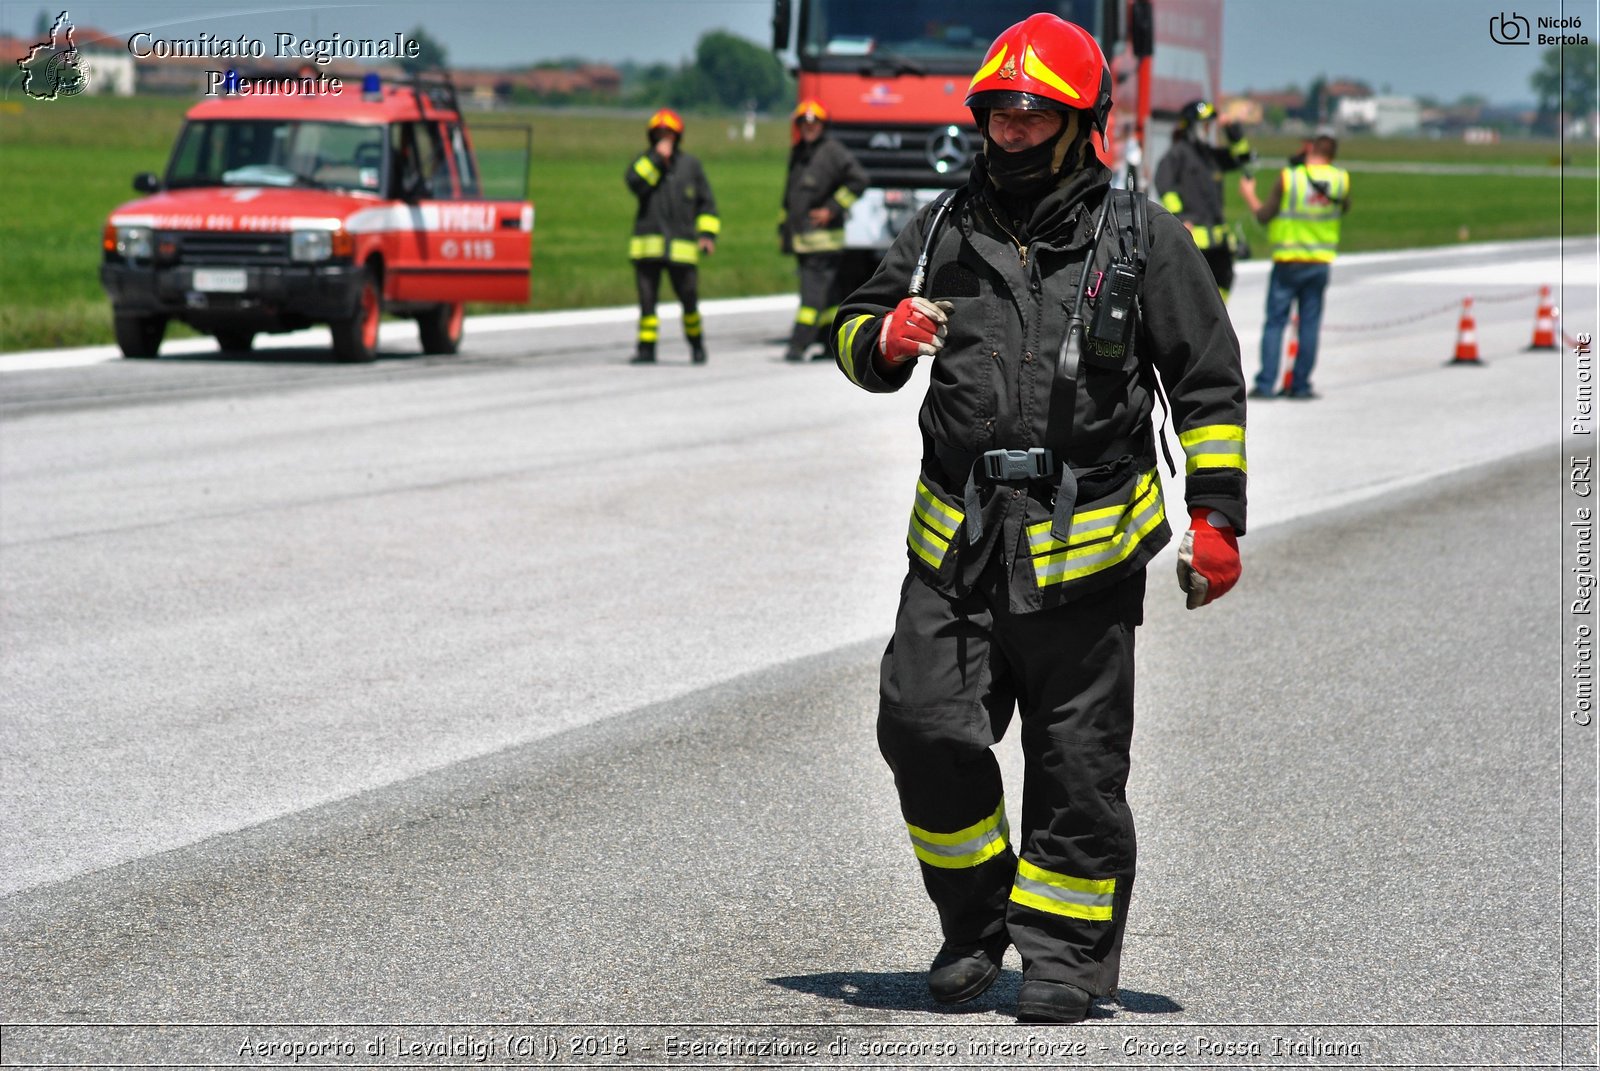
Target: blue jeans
(1298,284)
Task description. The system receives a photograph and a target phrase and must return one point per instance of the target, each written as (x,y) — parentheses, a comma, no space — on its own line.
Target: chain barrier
(1426,314)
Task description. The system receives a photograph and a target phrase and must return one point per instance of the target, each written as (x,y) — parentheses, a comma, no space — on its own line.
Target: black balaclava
(1030,172)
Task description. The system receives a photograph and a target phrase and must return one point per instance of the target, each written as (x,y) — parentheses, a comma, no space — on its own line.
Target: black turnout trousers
(952,676)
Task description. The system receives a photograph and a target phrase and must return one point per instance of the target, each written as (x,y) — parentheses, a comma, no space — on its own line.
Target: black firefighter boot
(697,350)
(646,354)
(960,973)
(1042,1001)
(800,340)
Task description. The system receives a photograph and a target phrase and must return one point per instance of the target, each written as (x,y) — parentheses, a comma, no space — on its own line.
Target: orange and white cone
(1466,336)
(1544,323)
(1292,354)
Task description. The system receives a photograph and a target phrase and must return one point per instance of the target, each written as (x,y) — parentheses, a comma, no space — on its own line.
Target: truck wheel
(237,341)
(356,338)
(440,328)
(139,336)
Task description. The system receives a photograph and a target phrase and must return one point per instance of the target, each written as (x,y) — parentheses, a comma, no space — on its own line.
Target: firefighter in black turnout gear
(1036,510)
(1190,181)
(824,181)
(676,222)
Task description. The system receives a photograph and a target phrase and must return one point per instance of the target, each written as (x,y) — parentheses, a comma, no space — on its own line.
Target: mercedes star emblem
(949,149)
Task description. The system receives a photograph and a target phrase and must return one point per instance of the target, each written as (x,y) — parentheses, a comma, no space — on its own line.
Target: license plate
(221,280)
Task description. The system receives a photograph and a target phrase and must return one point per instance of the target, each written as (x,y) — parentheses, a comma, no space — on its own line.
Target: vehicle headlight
(135,243)
(310,245)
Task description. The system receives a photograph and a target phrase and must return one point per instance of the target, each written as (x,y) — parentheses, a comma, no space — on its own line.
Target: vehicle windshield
(919,36)
(278,152)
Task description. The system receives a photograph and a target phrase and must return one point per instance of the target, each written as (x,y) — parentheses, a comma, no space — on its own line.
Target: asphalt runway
(527,688)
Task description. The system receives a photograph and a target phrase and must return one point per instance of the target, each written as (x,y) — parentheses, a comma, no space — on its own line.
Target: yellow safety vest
(1306,227)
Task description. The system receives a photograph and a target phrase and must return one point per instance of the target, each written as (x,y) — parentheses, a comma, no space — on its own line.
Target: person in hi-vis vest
(1302,215)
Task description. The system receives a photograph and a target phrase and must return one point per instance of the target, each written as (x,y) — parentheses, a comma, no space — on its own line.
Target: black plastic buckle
(1014,466)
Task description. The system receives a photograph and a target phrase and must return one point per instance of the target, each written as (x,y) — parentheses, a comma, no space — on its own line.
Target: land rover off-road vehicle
(283,207)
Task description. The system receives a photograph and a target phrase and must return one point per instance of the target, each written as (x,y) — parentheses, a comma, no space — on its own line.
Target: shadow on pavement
(908,991)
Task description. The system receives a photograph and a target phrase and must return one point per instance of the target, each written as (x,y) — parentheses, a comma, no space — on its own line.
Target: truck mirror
(146,182)
(1111,18)
(1142,29)
(780,25)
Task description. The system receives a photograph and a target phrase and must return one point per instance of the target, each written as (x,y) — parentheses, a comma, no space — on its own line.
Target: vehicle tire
(440,328)
(139,336)
(355,339)
(236,341)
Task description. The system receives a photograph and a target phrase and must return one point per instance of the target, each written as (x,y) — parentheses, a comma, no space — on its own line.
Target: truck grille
(903,155)
(213,247)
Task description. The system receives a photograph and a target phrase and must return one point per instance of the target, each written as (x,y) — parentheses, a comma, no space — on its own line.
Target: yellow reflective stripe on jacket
(1215,446)
(977,843)
(1087,524)
(844,197)
(823,241)
(707,225)
(936,513)
(645,169)
(845,343)
(1205,237)
(1306,227)
(933,524)
(1172,202)
(1063,894)
(647,247)
(683,251)
(1104,546)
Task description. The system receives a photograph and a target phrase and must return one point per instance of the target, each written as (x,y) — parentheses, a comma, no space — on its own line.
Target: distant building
(486,89)
(107,62)
(1383,116)
(1270,107)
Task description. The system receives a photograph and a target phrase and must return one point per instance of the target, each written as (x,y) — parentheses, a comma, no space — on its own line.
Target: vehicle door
(457,245)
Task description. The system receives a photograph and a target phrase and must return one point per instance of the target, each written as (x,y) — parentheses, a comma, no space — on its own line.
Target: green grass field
(68,163)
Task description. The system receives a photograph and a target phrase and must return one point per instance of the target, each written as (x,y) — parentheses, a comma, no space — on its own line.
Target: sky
(1438,48)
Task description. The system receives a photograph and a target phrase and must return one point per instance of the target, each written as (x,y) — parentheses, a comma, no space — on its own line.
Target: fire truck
(893,76)
(289,203)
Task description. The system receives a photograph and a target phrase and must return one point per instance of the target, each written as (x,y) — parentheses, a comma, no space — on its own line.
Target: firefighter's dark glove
(1208,558)
(916,328)
(1232,131)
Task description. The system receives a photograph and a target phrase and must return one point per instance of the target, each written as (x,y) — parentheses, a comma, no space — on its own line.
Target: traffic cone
(1544,323)
(1466,337)
(1292,353)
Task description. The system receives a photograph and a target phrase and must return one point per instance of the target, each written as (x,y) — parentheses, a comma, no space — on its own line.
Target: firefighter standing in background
(676,222)
(824,181)
(1190,181)
(1038,506)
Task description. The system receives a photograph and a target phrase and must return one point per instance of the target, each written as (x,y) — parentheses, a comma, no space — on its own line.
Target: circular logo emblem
(949,149)
(64,76)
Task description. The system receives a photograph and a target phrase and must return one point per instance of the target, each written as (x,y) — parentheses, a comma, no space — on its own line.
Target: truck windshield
(278,152)
(918,36)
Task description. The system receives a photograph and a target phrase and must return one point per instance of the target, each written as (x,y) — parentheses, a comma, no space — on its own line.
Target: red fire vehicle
(893,77)
(283,206)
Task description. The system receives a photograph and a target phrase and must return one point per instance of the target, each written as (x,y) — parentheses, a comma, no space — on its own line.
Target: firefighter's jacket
(822,174)
(1190,181)
(676,208)
(990,388)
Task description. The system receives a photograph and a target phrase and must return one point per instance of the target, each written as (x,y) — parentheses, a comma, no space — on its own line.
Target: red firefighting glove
(1208,557)
(916,328)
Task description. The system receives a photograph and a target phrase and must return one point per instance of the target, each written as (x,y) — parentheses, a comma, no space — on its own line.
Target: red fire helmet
(666,119)
(1044,62)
